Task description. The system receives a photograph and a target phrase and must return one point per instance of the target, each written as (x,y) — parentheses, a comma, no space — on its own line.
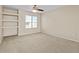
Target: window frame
(32,27)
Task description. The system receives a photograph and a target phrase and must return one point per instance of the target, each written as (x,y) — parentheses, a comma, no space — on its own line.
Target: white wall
(62,22)
(0,24)
(22,29)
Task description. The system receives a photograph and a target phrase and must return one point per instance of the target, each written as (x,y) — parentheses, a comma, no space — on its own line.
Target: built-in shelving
(9,21)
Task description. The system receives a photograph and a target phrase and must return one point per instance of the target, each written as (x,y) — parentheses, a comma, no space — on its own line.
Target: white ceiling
(29,7)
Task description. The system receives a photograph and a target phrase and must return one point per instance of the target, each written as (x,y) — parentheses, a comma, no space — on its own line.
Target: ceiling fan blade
(40,9)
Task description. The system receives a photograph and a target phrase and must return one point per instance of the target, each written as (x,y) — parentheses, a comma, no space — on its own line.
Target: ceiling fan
(36,9)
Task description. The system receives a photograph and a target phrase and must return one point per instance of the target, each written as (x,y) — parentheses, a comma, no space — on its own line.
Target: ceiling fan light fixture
(34,10)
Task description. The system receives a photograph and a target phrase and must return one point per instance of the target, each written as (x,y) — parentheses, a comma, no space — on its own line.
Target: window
(31,21)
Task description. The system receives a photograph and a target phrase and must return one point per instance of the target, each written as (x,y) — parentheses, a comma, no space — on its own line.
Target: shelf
(9,27)
(5,35)
(10,14)
(8,21)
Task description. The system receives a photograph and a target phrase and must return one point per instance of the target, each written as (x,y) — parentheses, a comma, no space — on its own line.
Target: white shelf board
(10,14)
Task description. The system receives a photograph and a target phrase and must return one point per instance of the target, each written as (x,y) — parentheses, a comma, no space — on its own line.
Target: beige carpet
(39,42)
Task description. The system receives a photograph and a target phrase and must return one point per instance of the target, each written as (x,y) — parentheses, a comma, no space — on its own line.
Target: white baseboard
(64,37)
(28,34)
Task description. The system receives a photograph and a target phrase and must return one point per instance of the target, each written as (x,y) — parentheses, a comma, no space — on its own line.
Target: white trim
(62,36)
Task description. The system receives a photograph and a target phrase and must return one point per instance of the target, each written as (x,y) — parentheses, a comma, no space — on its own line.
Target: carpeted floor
(38,43)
